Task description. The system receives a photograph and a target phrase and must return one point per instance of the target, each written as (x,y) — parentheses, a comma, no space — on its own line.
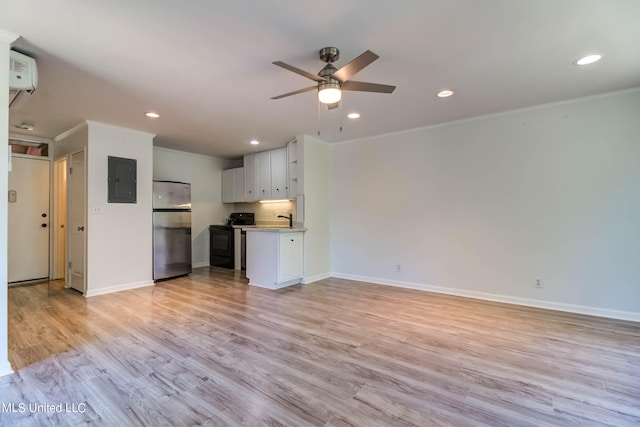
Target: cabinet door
(291,256)
(250,178)
(238,185)
(227,186)
(263,175)
(279,181)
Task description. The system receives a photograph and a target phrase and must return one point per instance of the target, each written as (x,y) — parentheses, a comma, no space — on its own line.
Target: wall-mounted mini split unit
(23,78)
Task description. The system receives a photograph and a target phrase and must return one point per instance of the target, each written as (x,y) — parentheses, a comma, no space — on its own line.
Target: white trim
(71,131)
(8,36)
(487,116)
(549,305)
(276,285)
(311,279)
(200,264)
(118,288)
(314,138)
(187,153)
(29,138)
(105,125)
(5,369)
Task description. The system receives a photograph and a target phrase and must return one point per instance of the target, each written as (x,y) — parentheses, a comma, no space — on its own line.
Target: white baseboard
(311,279)
(200,264)
(117,288)
(5,368)
(549,305)
(276,286)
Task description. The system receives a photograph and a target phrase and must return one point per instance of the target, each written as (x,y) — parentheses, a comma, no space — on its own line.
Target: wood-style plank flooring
(210,350)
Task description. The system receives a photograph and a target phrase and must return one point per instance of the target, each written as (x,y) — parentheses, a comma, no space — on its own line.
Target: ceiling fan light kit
(332,81)
(329,93)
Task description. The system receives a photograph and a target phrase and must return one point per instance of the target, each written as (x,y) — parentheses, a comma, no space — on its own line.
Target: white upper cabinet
(266,175)
(250,178)
(263,175)
(279,180)
(227,186)
(233,185)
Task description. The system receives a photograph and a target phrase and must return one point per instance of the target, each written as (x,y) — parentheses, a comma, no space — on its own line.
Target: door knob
(44,215)
(44,225)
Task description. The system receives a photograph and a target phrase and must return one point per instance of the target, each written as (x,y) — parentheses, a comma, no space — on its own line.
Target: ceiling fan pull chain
(318,117)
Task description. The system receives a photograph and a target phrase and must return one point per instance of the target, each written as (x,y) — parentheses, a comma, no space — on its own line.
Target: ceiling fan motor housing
(329,54)
(327,74)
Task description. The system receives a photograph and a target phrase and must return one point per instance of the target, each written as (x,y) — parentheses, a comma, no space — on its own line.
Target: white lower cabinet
(291,250)
(275,257)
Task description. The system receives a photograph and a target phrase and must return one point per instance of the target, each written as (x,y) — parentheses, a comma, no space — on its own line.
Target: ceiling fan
(332,81)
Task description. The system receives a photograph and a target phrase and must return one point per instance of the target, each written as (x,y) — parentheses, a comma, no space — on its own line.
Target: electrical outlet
(398,268)
(539,284)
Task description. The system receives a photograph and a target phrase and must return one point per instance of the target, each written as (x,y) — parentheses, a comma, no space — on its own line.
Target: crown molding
(7,36)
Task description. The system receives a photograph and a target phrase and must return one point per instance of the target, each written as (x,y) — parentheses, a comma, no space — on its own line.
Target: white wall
(6,39)
(119,235)
(71,141)
(204,173)
(484,207)
(314,162)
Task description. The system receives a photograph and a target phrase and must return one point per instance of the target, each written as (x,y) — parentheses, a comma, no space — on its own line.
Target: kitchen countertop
(272,229)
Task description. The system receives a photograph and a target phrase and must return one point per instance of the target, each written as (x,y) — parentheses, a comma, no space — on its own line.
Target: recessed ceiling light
(445,93)
(589,59)
(353,115)
(152,115)
(254,142)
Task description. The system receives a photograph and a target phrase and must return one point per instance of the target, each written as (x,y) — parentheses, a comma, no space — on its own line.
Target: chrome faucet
(290,218)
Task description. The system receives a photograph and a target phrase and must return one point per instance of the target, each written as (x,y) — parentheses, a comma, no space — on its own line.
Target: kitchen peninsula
(275,256)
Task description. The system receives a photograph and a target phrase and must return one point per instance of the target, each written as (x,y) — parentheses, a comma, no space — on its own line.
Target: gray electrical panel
(122,180)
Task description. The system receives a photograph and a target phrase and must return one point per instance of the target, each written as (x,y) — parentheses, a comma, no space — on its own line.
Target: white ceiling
(206,66)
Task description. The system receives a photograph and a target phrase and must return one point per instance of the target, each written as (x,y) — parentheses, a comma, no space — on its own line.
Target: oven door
(221,246)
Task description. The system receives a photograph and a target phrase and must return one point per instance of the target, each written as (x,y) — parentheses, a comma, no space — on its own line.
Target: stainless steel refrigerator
(171,229)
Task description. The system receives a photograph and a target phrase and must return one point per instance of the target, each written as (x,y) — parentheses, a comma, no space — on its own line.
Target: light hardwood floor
(210,350)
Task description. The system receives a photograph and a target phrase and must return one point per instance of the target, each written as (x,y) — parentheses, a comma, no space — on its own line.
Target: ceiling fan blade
(295,92)
(357,64)
(333,106)
(299,71)
(367,87)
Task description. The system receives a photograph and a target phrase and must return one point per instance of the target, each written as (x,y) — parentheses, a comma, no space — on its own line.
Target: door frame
(58,189)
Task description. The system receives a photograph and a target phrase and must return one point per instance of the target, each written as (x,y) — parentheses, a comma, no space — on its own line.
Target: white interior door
(28,221)
(76,234)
